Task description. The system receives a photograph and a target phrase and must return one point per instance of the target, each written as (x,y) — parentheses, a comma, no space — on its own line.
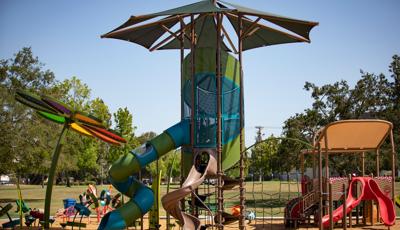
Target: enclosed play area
(211,37)
(329,199)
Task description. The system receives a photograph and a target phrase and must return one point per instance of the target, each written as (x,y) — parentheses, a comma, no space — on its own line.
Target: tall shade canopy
(353,135)
(256,34)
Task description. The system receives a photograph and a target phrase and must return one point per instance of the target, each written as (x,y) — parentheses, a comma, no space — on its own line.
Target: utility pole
(259,133)
(258,140)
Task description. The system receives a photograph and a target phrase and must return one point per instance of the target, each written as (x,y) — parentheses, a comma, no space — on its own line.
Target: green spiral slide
(123,170)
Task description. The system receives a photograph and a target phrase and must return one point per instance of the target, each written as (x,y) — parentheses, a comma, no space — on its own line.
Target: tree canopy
(374,96)
(27,140)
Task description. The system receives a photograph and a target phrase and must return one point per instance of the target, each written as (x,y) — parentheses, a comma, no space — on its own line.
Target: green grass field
(269,202)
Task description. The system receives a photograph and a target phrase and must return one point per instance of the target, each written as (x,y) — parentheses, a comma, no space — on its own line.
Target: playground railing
(309,200)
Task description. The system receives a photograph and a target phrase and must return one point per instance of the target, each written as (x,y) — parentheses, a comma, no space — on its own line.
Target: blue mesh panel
(206,131)
(206,109)
(230,129)
(206,103)
(231,102)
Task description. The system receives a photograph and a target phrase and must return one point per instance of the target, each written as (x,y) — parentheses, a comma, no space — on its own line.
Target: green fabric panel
(52,117)
(231,153)
(205,63)
(163,143)
(297,26)
(130,212)
(205,28)
(144,36)
(194,8)
(187,161)
(264,36)
(231,68)
(125,166)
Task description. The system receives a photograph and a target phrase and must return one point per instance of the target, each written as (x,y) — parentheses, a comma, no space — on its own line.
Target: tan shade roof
(354,135)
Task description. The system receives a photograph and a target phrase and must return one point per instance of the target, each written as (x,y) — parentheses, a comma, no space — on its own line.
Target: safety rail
(309,200)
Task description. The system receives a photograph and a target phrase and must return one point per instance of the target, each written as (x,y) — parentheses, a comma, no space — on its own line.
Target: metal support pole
(363,164)
(242,144)
(140,179)
(393,162)
(330,207)
(193,79)
(182,58)
(326,163)
(52,175)
(321,199)
(314,164)
(344,207)
(377,162)
(358,206)
(302,165)
(219,124)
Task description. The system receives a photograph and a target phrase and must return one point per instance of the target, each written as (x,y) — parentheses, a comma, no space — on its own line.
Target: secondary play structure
(321,192)
(210,132)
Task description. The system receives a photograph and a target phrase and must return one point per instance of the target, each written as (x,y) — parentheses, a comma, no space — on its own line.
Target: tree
(76,94)
(373,96)
(124,127)
(101,111)
(263,157)
(21,142)
(87,162)
(147,136)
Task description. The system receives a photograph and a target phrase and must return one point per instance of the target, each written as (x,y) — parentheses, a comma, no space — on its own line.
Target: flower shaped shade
(59,112)
(81,123)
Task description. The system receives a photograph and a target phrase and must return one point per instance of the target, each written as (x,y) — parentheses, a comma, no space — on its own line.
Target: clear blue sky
(352,35)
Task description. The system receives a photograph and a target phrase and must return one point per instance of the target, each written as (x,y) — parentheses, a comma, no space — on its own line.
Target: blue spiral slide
(123,170)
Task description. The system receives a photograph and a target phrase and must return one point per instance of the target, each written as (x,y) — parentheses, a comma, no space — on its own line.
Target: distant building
(4,179)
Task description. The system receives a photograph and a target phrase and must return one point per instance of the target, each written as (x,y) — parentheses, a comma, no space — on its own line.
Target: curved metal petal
(101,136)
(52,117)
(79,129)
(87,119)
(107,133)
(59,106)
(33,101)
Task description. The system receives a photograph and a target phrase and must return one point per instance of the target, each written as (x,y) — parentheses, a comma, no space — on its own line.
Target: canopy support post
(393,162)
(320,193)
(363,164)
(377,163)
(219,125)
(242,144)
(182,58)
(193,109)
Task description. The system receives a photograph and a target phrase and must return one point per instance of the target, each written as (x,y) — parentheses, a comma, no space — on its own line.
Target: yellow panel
(80,130)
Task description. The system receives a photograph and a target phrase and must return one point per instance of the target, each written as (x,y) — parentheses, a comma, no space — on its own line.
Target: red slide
(369,191)
(386,207)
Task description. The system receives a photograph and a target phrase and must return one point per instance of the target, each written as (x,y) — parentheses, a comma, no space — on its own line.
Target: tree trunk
(68,184)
